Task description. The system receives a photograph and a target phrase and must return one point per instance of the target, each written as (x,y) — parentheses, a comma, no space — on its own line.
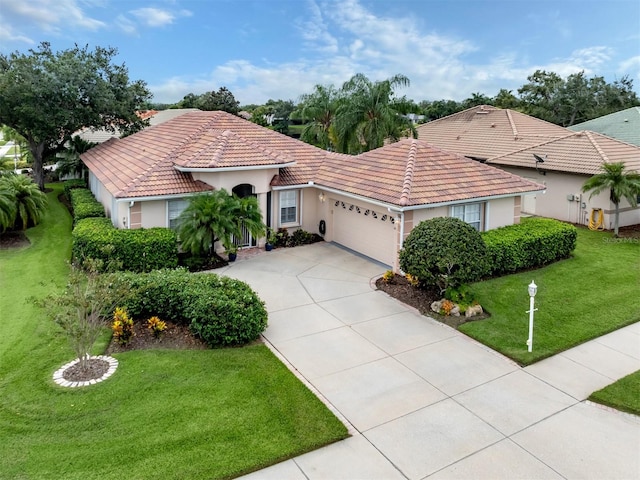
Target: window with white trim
(289,206)
(175,208)
(470,213)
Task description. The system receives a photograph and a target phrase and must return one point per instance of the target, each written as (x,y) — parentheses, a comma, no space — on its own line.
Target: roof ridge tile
(408,173)
(595,144)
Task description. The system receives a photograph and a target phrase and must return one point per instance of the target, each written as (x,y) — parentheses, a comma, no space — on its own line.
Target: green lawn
(163,414)
(623,394)
(592,293)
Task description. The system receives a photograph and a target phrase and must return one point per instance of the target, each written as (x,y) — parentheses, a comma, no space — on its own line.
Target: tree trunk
(37,151)
(616,220)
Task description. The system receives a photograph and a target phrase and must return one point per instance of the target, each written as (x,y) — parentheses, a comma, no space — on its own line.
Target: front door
(244,190)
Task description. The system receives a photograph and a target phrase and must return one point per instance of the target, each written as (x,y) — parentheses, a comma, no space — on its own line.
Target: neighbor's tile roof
(576,152)
(413,172)
(143,164)
(623,125)
(483,132)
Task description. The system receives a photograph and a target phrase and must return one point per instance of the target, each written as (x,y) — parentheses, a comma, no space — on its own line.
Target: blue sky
(280,49)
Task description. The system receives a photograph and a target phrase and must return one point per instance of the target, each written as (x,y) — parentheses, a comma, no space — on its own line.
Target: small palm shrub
(29,203)
(444,252)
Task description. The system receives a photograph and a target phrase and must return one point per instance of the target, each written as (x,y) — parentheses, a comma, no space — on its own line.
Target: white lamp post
(533,288)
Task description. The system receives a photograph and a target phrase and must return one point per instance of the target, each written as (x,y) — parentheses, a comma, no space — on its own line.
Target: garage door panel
(365,230)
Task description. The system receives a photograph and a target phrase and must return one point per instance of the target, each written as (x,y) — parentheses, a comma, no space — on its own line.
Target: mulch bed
(175,337)
(96,368)
(13,240)
(421,299)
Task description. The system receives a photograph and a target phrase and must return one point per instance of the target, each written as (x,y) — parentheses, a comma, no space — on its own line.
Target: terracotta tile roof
(483,132)
(623,125)
(407,173)
(576,152)
(144,164)
(413,172)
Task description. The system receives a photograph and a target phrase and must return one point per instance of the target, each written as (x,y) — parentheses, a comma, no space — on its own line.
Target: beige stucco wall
(554,203)
(500,212)
(154,214)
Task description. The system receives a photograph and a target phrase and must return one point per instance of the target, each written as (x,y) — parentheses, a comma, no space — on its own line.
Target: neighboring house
(568,162)
(509,140)
(155,118)
(623,125)
(369,202)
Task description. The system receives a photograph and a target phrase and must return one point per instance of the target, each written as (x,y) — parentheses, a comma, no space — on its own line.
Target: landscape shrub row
(221,311)
(84,204)
(532,243)
(139,250)
(73,184)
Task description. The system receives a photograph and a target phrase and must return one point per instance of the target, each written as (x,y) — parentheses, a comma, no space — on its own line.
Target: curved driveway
(422,400)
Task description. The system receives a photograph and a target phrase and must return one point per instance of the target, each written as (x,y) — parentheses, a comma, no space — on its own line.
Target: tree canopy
(223,100)
(47,96)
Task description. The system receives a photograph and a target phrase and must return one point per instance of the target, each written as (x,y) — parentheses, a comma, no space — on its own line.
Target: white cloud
(48,15)
(347,38)
(127,25)
(156,17)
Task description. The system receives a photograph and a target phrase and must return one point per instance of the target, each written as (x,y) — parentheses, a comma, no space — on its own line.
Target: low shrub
(73,184)
(156,326)
(139,250)
(532,243)
(444,252)
(221,311)
(122,326)
(84,204)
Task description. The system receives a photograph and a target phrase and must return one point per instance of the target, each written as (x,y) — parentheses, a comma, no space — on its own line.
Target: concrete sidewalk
(424,401)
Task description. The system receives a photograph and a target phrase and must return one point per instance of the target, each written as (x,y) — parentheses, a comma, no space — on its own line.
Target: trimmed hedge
(72,184)
(221,311)
(444,252)
(139,250)
(84,204)
(532,243)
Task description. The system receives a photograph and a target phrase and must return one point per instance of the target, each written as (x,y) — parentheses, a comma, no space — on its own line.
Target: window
(288,206)
(175,208)
(470,213)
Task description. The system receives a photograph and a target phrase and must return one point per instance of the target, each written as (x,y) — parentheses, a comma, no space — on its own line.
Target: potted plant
(232,251)
(272,238)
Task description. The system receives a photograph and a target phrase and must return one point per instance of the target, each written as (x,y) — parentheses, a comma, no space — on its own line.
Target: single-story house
(623,125)
(565,160)
(368,202)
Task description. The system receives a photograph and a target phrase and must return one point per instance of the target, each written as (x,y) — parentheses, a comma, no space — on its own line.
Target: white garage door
(363,229)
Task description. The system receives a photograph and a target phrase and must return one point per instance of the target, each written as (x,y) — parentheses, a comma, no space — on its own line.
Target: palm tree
(218,216)
(370,114)
(319,110)
(621,184)
(7,209)
(71,163)
(30,203)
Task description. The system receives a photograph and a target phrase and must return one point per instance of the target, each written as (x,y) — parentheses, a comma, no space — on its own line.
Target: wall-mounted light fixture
(322,197)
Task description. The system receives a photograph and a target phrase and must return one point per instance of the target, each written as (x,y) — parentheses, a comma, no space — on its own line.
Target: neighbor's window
(288,206)
(470,213)
(175,208)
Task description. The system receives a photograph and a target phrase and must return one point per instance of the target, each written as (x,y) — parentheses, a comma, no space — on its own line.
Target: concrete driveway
(422,400)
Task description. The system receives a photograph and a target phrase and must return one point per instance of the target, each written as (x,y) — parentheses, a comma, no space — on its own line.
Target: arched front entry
(244,190)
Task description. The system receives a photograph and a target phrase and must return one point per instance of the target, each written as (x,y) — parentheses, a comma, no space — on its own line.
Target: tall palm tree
(30,202)
(218,216)
(319,110)
(621,184)
(370,114)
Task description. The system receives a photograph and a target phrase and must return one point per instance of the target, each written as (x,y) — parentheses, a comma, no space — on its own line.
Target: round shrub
(230,314)
(444,252)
